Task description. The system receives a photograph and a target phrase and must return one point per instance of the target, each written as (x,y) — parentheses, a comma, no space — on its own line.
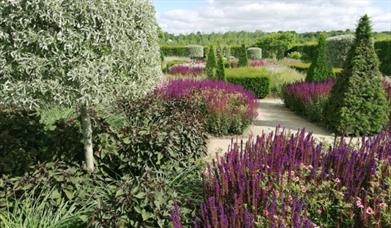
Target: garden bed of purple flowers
(228,109)
(309,98)
(276,180)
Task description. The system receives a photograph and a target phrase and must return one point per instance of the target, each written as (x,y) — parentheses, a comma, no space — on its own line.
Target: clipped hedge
(254,53)
(260,86)
(236,51)
(181,51)
(383,50)
(308,51)
(195,51)
(337,48)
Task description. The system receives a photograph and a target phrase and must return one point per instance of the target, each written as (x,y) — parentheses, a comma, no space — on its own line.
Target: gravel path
(271,113)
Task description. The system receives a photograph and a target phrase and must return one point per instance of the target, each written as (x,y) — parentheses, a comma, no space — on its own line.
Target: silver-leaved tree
(76,53)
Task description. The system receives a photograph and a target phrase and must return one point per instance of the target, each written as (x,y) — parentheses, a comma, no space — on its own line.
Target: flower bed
(228,108)
(258,63)
(309,98)
(187,69)
(280,181)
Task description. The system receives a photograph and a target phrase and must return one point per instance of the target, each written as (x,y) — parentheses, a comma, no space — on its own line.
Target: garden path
(271,113)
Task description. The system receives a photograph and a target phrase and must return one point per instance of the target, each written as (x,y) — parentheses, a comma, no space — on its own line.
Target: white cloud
(274,15)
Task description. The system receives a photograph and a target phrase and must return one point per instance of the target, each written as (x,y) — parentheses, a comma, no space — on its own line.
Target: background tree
(320,69)
(243,59)
(211,63)
(55,53)
(276,44)
(220,72)
(358,103)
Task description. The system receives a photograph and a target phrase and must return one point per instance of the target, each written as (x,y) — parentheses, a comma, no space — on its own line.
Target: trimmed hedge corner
(260,86)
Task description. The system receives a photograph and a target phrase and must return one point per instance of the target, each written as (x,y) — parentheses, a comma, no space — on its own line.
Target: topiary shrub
(319,69)
(337,48)
(211,63)
(254,53)
(196,51)
(243,59)
(220,72)
(358,103)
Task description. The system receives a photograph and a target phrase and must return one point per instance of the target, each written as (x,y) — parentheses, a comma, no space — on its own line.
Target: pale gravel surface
(271,113)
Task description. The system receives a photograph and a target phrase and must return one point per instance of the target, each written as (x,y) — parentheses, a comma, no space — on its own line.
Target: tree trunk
(87,136)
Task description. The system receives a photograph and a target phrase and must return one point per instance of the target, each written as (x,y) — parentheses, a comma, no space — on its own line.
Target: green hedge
(383,50)
(259,85)
(235,51)
(307,51)
(181,51)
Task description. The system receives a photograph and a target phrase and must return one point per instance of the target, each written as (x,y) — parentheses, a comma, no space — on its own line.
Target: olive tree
(76,53)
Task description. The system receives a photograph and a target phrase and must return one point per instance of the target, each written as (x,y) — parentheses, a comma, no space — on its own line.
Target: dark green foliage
(158,132)
(220,72)
(308,51)
(383,50)
(260,86)
(22,137)
(211,63)
(319,70)
(181,51)
(243,59)
(144,201)
(24,141)
(358,103)
(236,51)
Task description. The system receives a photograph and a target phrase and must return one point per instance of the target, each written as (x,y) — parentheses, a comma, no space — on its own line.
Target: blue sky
(185,16)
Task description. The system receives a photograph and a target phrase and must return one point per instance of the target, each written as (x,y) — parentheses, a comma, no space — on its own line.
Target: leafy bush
(254,53)
(274,45)
(319,69)
(159,132)
(337,48)
(196,51)
(308,51)
(228,109)
(358,103)
(63,194)
(25,141)
(280,180)
(383,51)
(180,51)
(308,98)
(295,55)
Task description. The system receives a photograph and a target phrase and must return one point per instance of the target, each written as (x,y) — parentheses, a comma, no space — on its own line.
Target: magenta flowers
(228,108)
(185,69)
(277,180)
(258,63)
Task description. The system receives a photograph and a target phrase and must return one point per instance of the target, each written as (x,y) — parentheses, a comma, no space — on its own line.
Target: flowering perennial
(187,69)
(280,181)
(229,108)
